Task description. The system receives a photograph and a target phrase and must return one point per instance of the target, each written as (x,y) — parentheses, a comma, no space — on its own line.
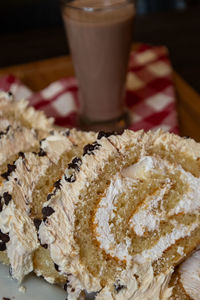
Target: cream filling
(23,240)
(145,219)
(104,216)
(15,217)
(190,275)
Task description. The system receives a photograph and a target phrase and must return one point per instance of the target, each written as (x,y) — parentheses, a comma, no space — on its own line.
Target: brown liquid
(100,43)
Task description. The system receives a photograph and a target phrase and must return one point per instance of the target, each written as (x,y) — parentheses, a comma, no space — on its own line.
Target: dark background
(31,30)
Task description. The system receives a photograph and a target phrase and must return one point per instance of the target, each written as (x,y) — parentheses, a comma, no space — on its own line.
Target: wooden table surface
(38,75)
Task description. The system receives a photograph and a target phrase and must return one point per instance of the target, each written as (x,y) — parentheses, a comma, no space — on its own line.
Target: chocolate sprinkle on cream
(75,164)
(107,134)
(45,246)
(66,133)
(57,184)
(56,267)
(66,285)
(21,154)
(5,132)
(119,287)
(4,237)
(2,246)
(37,223)
(42,140)
(88,149)
(71,178)
(42,152)
(7,197)
(47,211)
(11,168)
(49,196)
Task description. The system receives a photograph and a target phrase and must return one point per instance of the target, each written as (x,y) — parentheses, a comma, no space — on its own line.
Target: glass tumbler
(100,34)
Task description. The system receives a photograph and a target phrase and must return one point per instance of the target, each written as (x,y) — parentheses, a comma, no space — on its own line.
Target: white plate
(36,288)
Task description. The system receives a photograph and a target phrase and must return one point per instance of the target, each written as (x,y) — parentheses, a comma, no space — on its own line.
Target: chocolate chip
(88,149)
(73,290)
(10,93)
(2,246)
(119,287)
(8,128)
(6,131)
(4,237)
(37,223)
(49,196)
(71,178)
(45,246)
(66,285)
(57,184)
(10,169)
(21,154)
(103,134)
(56,267)
(4,298)
(66,133)
(7,197)
(75,164)
(42,152)
(42,140)
(47,211)
(107,134)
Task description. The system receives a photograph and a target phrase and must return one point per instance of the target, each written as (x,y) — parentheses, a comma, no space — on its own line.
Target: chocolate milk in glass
(100,34)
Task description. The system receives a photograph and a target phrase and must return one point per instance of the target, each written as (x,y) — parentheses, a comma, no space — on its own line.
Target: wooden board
(38,75)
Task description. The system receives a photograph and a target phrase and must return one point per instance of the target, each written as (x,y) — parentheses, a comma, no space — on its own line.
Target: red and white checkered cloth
(150,96)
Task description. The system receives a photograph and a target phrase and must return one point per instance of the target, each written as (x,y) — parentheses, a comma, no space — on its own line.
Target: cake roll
(21,127)
(124,215)
(34,176)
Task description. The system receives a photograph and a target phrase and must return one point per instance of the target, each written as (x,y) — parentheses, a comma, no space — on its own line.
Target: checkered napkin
(150,97)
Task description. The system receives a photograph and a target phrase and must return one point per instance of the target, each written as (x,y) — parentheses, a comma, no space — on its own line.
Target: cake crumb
(22,289)
(180,250)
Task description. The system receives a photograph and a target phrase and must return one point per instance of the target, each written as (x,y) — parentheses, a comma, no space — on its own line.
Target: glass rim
(89,9)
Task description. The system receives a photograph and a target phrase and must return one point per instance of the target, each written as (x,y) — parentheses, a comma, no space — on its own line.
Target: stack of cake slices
(117,215)
(21,128)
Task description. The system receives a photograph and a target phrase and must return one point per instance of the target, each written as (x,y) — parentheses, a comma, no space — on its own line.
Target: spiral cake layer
(117,222)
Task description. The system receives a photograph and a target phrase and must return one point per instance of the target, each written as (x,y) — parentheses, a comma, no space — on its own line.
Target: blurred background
(32,30)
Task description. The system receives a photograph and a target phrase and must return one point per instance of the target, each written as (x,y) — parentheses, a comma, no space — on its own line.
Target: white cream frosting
(190,275)
(145,219)
(21,109)
(145,286)
(58,232)
(17,139)
(23,240)
(15,217)
(104,216)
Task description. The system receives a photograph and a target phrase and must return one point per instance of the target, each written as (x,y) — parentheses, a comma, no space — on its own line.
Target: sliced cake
(116,222)
(20,129)
(33,178)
